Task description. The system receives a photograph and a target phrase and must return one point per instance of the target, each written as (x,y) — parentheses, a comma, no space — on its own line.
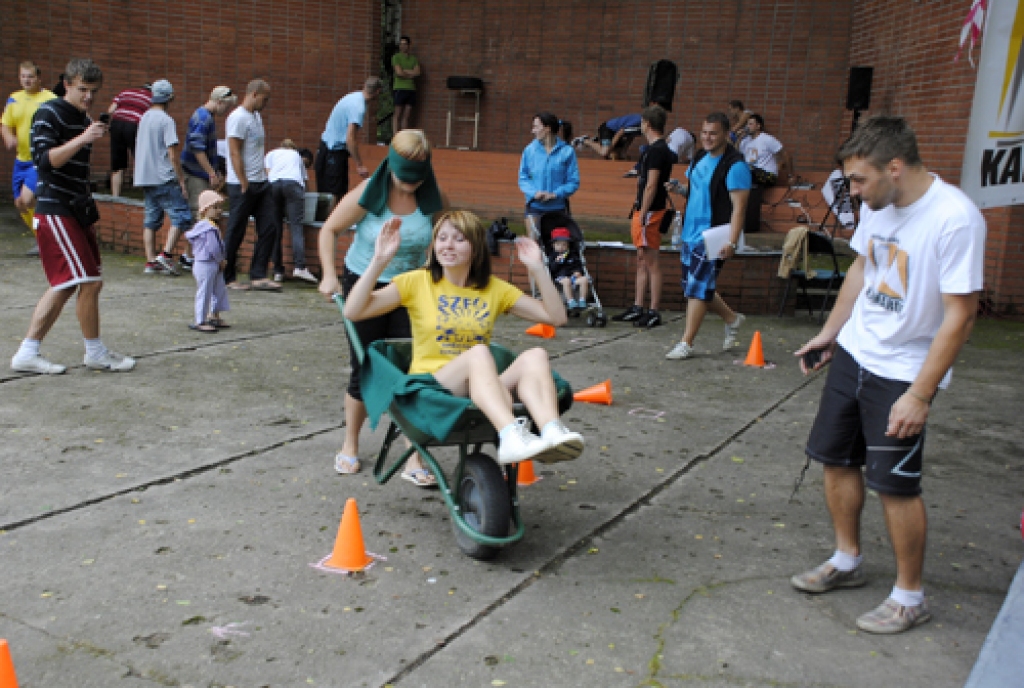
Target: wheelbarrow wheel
(483,494)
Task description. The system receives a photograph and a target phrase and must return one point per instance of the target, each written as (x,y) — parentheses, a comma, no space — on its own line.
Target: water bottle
(677,231)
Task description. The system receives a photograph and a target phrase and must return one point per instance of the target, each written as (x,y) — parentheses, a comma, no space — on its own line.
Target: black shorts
(393,325)
(122,140)
(404,97)
(849,429)
(331,169)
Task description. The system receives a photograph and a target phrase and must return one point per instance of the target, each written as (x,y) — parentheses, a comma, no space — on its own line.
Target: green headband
(375,195)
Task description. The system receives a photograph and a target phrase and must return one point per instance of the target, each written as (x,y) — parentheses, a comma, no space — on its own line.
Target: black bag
(499,231)
(661,84)
(670,214)
(85,211)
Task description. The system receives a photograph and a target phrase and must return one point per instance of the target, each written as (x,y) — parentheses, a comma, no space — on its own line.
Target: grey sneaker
(167,260)
(826,577)
(110,361)
(680,351)
(36,364)
(892,617)
(305,274)
(732,332)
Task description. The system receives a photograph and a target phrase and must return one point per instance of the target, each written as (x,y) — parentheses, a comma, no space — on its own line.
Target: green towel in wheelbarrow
(420,398)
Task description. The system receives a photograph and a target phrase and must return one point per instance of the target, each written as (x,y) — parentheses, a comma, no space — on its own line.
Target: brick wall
(587,61)
(911,46)
(310,51)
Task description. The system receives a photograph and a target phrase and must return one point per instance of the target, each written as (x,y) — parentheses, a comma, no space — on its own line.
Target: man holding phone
(62,138)
(906,308)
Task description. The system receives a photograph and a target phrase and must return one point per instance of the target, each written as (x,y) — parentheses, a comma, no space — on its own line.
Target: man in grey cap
(158,171)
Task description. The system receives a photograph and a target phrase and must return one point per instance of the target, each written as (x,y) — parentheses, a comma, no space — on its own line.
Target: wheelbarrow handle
(350,328)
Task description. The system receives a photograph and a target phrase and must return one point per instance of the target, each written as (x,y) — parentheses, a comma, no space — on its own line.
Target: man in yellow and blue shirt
(17,129)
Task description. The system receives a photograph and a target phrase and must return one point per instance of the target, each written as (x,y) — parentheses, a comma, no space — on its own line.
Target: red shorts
(70,254)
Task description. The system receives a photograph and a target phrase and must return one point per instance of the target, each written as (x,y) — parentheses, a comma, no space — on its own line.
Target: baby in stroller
(567,270)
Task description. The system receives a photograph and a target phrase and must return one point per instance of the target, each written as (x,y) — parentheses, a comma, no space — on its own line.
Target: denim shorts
(700,273)
(166,198)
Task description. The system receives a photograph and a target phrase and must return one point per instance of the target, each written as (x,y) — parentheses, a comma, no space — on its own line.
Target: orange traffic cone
(526,475)
(598,394)
(755,356)
(349,551)
(541,330)
(7,677)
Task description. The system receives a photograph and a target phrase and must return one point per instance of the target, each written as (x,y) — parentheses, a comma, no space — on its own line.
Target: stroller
(541,231)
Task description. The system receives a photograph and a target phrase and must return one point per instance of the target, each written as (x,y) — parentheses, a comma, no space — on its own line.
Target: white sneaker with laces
(565,445)
(304,274)
(680,351)
(732,332)
(167,261)
(520,444)
(36,364)
(110,361)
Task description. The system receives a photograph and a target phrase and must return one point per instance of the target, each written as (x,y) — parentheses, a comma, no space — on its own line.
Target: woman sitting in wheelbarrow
(453,303)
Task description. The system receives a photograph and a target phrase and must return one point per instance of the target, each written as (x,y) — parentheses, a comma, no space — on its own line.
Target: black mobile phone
(812,358)
(105,118)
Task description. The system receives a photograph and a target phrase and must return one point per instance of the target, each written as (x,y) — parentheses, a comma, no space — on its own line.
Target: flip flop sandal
(238,286)
(420,477)
(266,286)
(205,328)
(346,465)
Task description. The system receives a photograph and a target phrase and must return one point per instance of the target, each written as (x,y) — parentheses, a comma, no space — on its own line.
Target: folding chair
(818,244)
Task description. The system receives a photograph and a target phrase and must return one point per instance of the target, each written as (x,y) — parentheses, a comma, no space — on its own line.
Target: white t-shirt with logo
(760,151)
(247,126)
(285,164)
(913,255)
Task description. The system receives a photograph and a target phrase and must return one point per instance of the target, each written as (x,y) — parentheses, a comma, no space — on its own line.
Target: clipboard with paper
(715,240)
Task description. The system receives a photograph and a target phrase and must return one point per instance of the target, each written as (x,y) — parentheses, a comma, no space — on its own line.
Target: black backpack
(661,84)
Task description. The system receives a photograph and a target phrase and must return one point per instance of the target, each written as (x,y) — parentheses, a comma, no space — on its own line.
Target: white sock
(907,598)
(29,349)
(94,348)
(841,561)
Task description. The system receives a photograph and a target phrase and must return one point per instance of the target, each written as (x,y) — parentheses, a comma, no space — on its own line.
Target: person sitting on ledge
(453,303)
(613,137)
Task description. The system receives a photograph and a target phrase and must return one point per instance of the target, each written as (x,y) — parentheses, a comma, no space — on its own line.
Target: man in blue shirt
(613,137)
(338,142)
(717,190)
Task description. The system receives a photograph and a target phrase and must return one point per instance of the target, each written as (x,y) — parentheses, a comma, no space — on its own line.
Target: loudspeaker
(858,94)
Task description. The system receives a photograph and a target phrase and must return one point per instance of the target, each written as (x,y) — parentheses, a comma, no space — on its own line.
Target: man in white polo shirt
(906,308)
(763,152)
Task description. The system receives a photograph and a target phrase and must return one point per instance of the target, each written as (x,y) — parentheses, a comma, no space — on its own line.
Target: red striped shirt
(132,104)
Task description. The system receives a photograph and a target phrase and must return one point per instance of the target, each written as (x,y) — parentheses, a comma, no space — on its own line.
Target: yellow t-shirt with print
(21,107)
(446,319)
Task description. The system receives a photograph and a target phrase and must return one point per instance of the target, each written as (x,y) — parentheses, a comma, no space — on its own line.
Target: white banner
(993,172)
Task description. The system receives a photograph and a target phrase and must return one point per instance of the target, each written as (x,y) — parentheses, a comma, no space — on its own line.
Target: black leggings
(393,325)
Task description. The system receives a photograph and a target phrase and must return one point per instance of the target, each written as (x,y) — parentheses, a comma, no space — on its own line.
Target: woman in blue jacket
(548,173)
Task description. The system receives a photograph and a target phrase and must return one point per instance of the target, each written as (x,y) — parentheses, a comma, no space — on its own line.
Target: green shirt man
(407,69)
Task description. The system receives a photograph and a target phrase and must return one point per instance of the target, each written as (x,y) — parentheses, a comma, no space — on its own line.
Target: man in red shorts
(62,138)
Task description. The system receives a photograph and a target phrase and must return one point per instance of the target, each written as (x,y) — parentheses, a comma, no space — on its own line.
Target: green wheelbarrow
(481,496)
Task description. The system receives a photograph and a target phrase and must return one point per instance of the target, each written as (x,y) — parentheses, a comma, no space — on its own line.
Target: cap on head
(162,90)
(208,198)
(220,93)
(560,234)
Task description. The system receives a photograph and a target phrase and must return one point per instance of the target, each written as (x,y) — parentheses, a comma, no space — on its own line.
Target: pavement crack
(169,479)
(582,544)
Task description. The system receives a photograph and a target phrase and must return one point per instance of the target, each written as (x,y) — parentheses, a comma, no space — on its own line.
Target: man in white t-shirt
(158,171)
(249,189)
(763,152)
(286,172)
(905,310)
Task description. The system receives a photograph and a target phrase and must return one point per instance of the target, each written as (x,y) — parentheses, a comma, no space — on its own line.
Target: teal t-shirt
(405,61)
(416,232)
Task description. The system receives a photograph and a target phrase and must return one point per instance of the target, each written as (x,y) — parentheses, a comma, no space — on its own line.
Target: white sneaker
(36,364)
(110,361)
(520,444)
(565,445)
(304,274)
(279,277)
(679,351)
(732,332)
(167,261)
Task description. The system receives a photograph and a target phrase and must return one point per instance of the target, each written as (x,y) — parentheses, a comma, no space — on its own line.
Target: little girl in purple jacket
(208,269)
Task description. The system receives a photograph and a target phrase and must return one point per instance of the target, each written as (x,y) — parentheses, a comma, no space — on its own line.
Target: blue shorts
(166,198)
(699,272)
(24,175)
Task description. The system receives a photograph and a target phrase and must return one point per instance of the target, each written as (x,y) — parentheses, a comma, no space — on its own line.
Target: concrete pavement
(158,526)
